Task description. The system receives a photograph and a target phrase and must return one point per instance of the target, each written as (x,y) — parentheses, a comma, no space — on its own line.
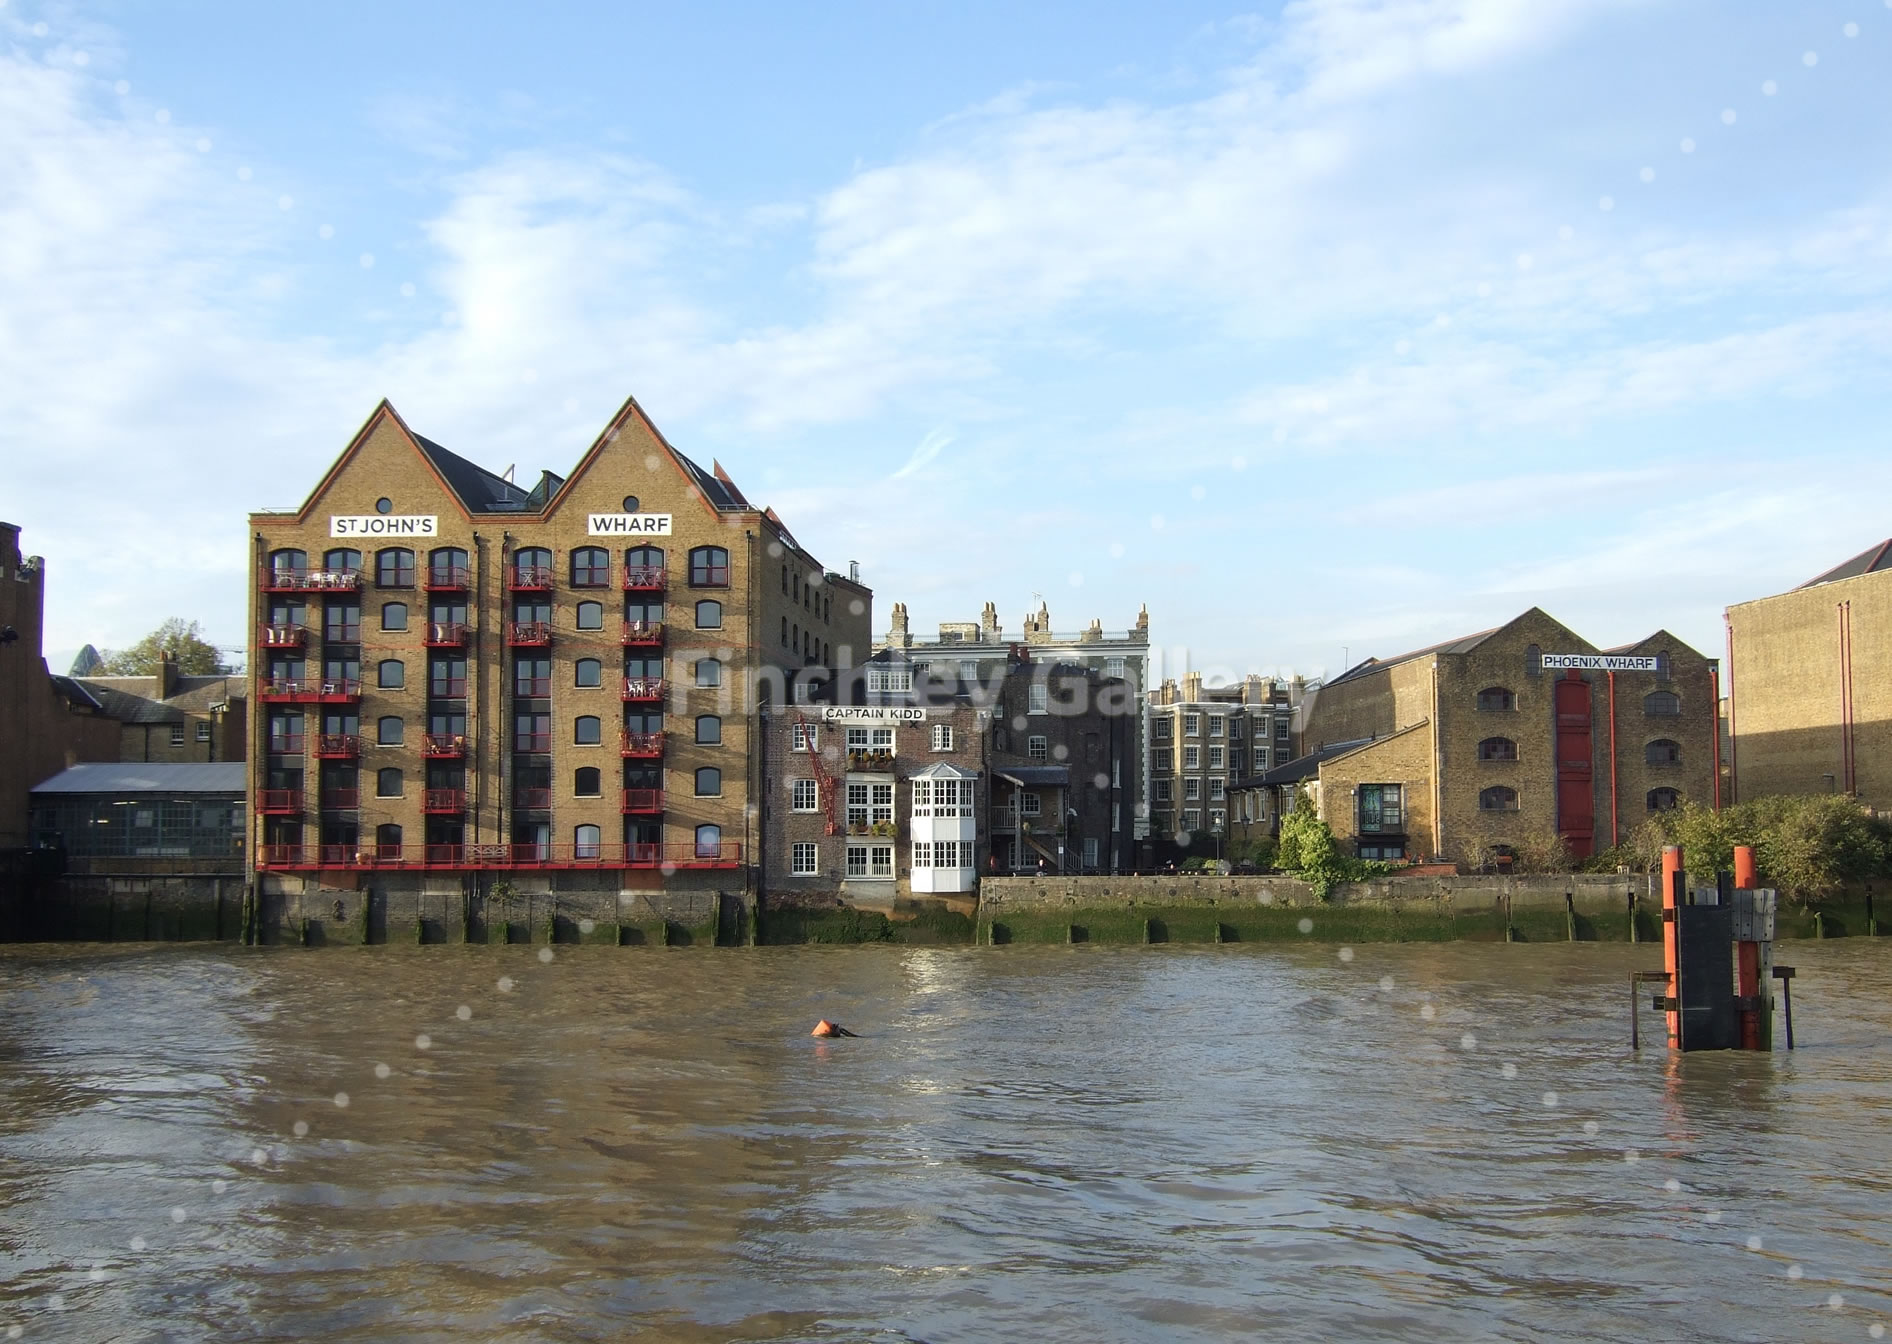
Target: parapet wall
(1589,892)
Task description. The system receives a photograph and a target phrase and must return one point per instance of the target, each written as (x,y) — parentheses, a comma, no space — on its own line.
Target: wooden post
(1635,935)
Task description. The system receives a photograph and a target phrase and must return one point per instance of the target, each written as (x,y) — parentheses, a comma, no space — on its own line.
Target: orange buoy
(827,1028)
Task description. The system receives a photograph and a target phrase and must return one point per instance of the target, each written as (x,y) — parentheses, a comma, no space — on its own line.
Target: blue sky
(1334,325)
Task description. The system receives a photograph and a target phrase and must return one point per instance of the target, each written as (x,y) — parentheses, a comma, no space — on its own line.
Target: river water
(1084,1144)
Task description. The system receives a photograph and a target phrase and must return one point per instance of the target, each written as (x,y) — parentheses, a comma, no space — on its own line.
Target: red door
(1576,798)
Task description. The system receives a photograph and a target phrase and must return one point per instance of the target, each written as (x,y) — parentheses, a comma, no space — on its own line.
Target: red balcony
(447,579)
(288,580)
(360,857)
(285,636)
(641,634)
(339,692)
(644,688)
(286,744)
(341,800)
(529,634)
(531,688)
(449,745)
(532,800)
(447,688)
(529,579)
(443,802)
(643,802)
(337,746)
(279,802)
(648,745)
(446,635)
(644,579)
(531,741)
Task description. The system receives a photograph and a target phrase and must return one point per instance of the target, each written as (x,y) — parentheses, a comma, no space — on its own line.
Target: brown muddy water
(1038,1144)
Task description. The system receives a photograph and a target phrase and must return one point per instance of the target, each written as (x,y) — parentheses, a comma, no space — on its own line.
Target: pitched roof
(75,692)
(721,492)
(1869,561)
(1462,644)
(1302,767)
(1034,776)
(478,489)
(128,706)
(147,777)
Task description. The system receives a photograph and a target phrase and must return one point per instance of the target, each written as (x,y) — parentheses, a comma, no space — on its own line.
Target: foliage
(182,639)
(1262,851)
(1806,847)
(1544,851)
(1308,851)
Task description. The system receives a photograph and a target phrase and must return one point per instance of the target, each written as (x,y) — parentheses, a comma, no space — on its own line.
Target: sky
(1327,329)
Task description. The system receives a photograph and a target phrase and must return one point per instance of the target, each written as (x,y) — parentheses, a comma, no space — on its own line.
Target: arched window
(388,782)
(784,632)
(390,730)
(709,782)
(587,841)
(446,567)
(643,566)
(1533,661)
(587,730)
(394,567)
(709,567)
(785,579)
(587,782)
(342,560)
(1497,749)
(709,729)
(394,615)
(1498,799)
(288,565)
(1663,752)
(531,567)
(387,840)
(591,615)
(591,567)
(709,842)
(709,672)
(1664,800)
(1662,705)
(1497,699)
(709,614)
(588,672)
(391,674)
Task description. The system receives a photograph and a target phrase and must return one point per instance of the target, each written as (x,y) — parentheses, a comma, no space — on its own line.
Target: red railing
(341,800)
(530,688)
(643,632)
(279,802)
(443,800)
(310,692)
(725,854)
(709,576)
(337,746)
(529,578)
(644,688)
(643,579)
(532,799)
(289,744)
(529,634)
(443,744)
(531,741)
(341,632)
(446,635)
(284,636)
(447,579)
(285,579)
(643,801)
(643,744)
(447,688)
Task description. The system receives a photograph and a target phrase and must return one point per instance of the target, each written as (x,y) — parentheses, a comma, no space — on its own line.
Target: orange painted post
(1672,880)
(1747,955)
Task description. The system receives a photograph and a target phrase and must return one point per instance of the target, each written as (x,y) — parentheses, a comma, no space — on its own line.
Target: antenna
(506,475)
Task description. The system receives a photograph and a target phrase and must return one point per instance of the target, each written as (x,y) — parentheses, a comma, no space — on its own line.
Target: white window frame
(1192,819)
(1037,698)
(1114,666)
(804,737)
(881,677)
(1192,725)
(1192,790)
(870,860)
(1215,758)
(1037,747)
(1164,789)
(942,737)
(1218,789)
(805,859)
(1192,758)
(1030,805)
(1218,724)
(804,796)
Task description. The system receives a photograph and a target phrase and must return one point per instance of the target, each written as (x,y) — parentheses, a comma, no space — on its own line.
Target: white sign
(628,524)
(1602,662)
(384,525)
(873,714)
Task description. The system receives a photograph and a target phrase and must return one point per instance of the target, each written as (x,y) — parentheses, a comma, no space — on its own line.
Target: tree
(1307,842)
(183,640)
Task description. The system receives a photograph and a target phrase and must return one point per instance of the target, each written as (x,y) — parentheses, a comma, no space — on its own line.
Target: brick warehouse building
(461,683)
(1810,710)
(912,783)
(1467,750)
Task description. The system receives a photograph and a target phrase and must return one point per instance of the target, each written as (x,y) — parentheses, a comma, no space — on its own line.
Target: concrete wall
(1603,892)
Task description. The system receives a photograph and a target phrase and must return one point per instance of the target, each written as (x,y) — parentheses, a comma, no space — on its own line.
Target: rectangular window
(1192,725)
(1162,762)
(1192,818)
(965,853)
(1192,789)
(806,861)
(1215,758)
(1192,758)
(1261,759)
(1218,821)
(942,737)
(806,798)
(1236,758)
(1164,789)
(870,739)
(1090,851)
(1217,723)
(1037,748)
(1281,730)
(1113,667)
(1035,698)
(870,860)
(883,802)
(1161,728)
(1261,727)
(857,804)
(923,854)
(1029,805)
(923,797)
(804,737)
(881,677)
(968,670)
(1218,790)
(1380,809)
(177,734)
(203,730)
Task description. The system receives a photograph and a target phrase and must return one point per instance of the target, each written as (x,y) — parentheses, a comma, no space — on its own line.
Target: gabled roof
(944,770)
(75,692)
(476,487)
(1462,644)
(1872,560)
(1302,767)
(129,706)
(147,777)
(1034,776)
